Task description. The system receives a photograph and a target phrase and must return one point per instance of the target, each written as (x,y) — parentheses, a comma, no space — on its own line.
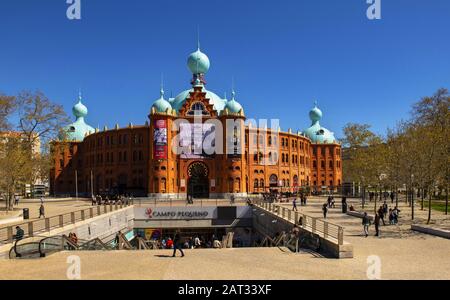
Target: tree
(7,107)
(431,118)
(40,121)
(39,118)
(365,152)
(15,166)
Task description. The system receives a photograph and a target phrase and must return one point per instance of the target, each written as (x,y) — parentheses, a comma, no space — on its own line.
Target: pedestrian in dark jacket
(381,214)
(177,244)
(325,210)
(42,211)
(377,224)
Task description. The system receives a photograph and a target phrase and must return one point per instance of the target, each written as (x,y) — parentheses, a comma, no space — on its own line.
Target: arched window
(273,180)
(255,183)
(270,140)
(261,183)
(197,108)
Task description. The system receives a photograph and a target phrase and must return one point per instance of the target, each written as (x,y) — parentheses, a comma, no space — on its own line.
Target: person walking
(42,200)
(197,242)
(16,200)
(41,211)
(381,214)
(177,244)
(294,204)
(377,224)
(366,223)
(324,210)
(385,210)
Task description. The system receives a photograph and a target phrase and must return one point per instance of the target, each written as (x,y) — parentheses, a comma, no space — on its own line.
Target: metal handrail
(315,225)
(31,228)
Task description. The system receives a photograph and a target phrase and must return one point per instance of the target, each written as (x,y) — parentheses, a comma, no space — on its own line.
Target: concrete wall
(271,225)
(98,227)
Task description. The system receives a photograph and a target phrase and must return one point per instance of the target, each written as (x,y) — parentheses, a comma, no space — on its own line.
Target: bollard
(30,229)
(296,218)
(72,217)
(340,236)
(91,212)
(325,229)
(82,215)
(105,209)
(47,224)
(313,227)
(289,215)
(98,211)
(10,234)
(61,220)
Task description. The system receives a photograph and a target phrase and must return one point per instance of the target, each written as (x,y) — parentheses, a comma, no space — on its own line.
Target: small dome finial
(161,91)
(198,37)
(79,95)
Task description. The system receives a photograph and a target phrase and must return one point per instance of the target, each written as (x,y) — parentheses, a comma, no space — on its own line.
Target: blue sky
(282,54)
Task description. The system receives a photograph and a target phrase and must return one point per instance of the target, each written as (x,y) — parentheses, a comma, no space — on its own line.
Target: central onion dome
(78,129)
(79,110)
(316,133)
(198,62)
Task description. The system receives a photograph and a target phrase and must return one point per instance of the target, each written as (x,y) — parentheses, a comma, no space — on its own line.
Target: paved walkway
(352,225)
(398,261)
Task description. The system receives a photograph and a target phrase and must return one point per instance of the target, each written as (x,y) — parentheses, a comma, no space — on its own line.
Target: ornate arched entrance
(198,183)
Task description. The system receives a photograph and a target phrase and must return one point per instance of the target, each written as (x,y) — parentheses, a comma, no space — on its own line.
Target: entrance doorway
(198,183)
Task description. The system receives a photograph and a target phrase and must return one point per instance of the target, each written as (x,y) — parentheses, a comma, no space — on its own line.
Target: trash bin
(344,205)
(26,213)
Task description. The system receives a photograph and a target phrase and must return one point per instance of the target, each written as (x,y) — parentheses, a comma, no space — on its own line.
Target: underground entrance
(198,183)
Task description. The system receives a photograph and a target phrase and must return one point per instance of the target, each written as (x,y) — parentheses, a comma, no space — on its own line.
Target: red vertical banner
(160,139)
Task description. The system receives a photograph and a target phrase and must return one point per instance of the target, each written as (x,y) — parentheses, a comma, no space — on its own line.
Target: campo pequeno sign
(175,213)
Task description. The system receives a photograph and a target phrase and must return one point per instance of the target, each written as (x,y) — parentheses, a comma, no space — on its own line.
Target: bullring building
(195,144)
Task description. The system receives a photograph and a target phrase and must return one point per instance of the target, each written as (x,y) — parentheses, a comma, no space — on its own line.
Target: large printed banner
(198,140)
(160,139)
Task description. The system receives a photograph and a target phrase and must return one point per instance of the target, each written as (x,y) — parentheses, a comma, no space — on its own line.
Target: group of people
(74,239)
(295,201)
(379,218)
(385,195)
(114,199)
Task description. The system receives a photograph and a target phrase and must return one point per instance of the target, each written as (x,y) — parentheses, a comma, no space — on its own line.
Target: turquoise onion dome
(315,114)
(161,105)
(78,129)
(316,133)
(79,109)
(198,62)
(233,106)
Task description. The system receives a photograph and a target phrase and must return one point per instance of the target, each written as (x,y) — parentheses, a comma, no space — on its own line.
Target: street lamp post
(76,185)
(412,197)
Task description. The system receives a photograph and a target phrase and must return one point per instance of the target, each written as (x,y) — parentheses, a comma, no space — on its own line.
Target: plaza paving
(400,259)
(404,254)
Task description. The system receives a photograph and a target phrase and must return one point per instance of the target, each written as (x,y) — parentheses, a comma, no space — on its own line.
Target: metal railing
(35,227)
(314,225)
